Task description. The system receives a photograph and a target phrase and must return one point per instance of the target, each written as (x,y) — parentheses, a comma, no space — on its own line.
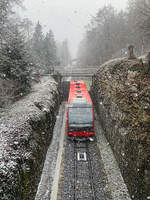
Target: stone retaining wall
(25,134)
(121,92)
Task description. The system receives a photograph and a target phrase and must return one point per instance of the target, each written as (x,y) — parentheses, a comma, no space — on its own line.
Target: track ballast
(83,176)
(83,173)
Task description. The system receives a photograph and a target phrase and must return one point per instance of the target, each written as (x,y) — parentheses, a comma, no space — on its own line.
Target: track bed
(83,177)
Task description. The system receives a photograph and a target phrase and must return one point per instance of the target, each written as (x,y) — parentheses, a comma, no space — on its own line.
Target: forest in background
(26,52)
(110,32)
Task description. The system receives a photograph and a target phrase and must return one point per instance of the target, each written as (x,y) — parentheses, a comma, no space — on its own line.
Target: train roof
(78,93)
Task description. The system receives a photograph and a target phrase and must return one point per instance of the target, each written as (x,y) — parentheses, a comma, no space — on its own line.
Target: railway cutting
(80,173)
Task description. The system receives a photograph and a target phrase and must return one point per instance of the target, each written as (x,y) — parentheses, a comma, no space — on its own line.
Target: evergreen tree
(5,11)
(50,49)
(14,61)
(37,45)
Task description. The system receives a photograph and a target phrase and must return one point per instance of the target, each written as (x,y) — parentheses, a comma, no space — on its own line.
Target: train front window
(81,129)
(80,119)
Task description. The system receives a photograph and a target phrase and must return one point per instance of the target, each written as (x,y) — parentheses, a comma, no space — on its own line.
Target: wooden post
(131,52)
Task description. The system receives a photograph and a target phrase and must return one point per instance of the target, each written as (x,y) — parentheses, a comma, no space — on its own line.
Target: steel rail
(75,169)
(89,170)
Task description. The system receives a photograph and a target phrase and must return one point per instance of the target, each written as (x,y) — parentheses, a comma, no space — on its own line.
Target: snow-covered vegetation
(25,53)
(110,32)
(15,61)
(25,133)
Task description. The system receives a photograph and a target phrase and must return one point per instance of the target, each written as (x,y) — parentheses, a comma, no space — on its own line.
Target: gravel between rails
(99,177)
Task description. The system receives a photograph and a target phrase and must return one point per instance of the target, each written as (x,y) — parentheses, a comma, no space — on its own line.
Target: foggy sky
(66,18)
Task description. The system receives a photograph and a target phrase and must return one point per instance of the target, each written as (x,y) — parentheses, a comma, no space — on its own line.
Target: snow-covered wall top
(25,133)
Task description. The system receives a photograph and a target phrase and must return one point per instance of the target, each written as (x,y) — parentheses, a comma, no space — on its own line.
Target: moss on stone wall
(121,93)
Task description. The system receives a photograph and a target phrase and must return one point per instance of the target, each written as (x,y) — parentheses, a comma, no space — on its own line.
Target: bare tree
(106,34)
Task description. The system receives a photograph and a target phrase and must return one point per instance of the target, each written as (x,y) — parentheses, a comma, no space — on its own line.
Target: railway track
(83,172)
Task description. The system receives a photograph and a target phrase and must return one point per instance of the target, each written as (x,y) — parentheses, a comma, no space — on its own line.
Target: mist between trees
(110,32)
(25,53)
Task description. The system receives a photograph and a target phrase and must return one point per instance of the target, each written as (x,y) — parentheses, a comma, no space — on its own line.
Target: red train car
(80,111)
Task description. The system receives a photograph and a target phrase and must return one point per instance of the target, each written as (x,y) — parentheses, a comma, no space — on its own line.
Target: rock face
(121,91)
(25,134)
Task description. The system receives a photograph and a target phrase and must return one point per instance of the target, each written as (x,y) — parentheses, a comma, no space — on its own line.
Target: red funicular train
(80,112)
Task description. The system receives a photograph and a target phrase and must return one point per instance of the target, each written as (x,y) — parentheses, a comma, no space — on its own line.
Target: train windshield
(81,118)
